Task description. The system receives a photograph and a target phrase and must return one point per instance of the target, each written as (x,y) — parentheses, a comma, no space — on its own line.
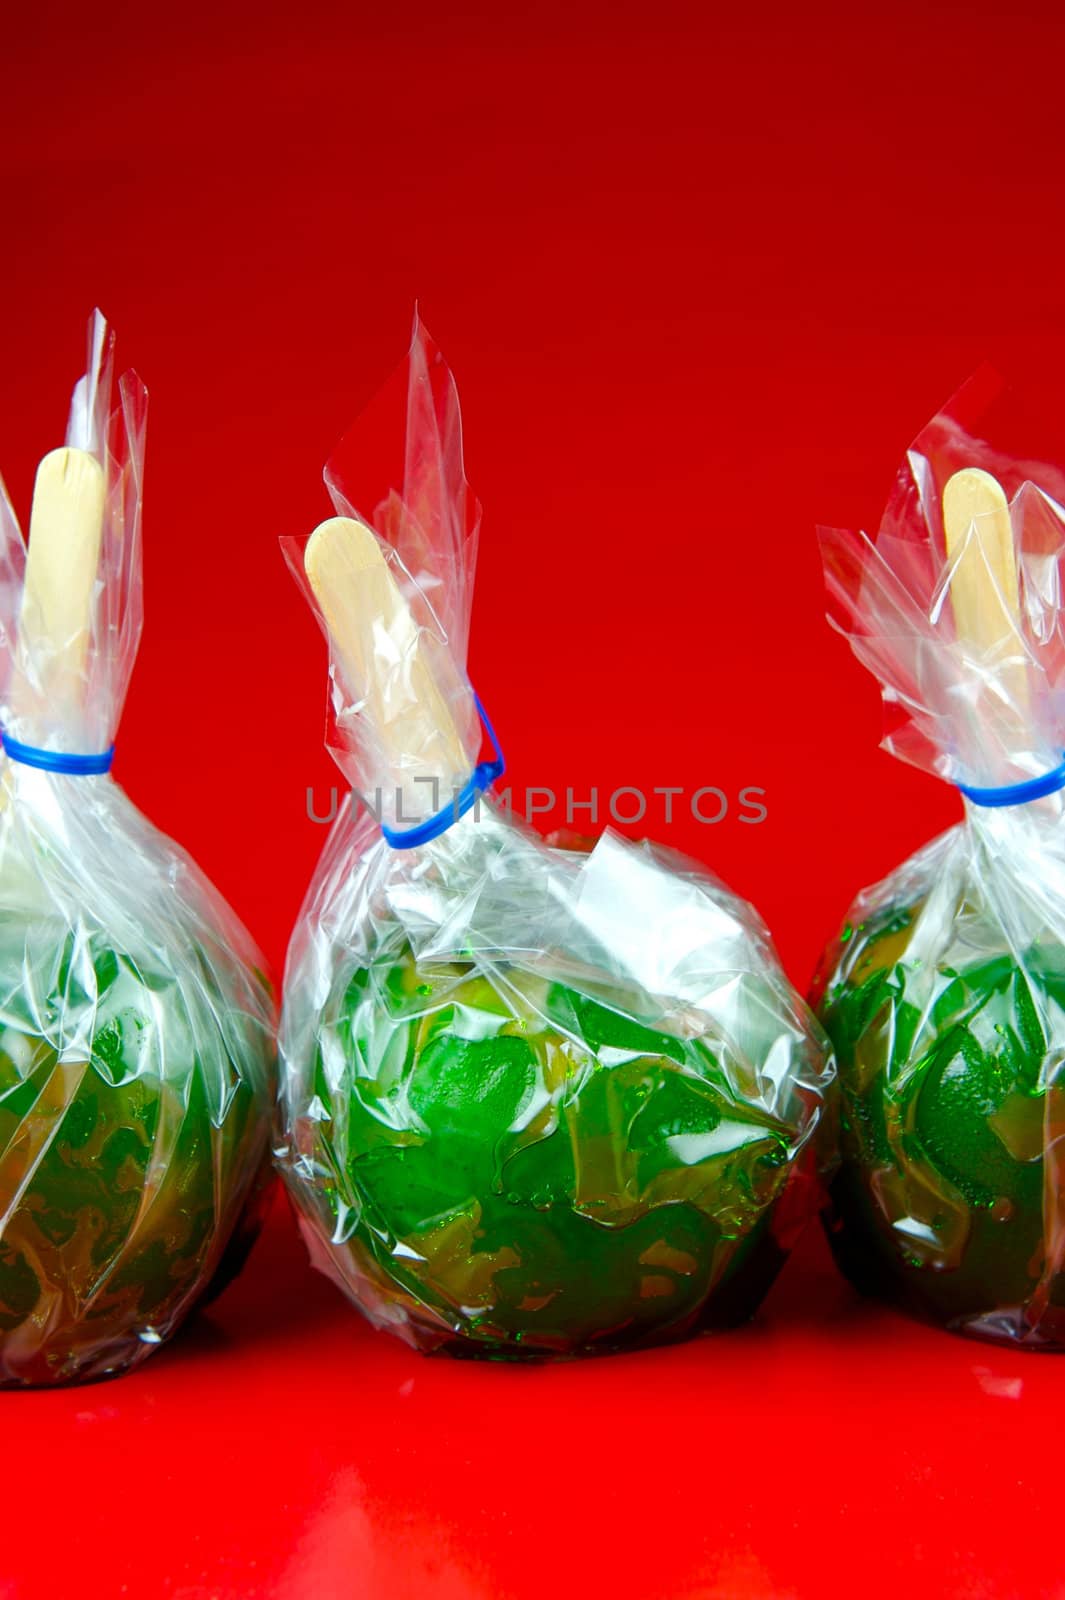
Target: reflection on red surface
(281,1448)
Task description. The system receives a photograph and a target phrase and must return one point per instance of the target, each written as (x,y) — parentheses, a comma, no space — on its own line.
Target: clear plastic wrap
(136,1055)
(534,1101)
(945,993)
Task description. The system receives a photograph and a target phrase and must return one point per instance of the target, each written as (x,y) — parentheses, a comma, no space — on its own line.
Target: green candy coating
(947,1092)
(132,1131)
(514,1168)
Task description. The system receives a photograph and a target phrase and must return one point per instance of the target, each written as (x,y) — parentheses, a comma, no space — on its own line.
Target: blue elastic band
(57,760)
(483,775)
(1015,794)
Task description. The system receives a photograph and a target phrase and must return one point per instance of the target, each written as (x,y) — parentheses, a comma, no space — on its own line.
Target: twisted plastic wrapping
(534,1102)
(945,994)
(135,1021)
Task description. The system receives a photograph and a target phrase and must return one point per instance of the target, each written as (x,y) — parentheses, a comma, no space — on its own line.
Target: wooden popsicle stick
(66,527)
(984,589)
(383,656)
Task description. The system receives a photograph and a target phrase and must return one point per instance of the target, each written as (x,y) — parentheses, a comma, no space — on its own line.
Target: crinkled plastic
(535,1101)
(945,993)
(136,1056)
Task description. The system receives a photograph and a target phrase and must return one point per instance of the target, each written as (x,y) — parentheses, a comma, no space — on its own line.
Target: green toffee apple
(950,1110)
(512,1167)
(534,1102)
(126,1165)
(136,1051)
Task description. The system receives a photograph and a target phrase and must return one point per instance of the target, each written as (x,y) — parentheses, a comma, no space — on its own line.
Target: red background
(701,276)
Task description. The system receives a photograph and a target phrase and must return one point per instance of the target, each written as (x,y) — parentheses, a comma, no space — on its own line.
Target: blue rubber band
(1016,794)
(481,778)
(28,755)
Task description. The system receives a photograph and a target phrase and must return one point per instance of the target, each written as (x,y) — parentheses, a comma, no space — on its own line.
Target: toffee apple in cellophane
(534,1101)
(944,994)
(135,1021)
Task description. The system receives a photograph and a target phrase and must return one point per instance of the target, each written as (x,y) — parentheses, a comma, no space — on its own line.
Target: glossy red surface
(701,278)
(281,1448)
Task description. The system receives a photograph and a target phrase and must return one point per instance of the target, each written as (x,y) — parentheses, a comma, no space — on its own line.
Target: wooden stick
(383,657)
(66,526)
(984,589)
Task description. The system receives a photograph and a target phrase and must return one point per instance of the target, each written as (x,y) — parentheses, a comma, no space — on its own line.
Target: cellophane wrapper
(945,992)
(136,1062)
(534,1101)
